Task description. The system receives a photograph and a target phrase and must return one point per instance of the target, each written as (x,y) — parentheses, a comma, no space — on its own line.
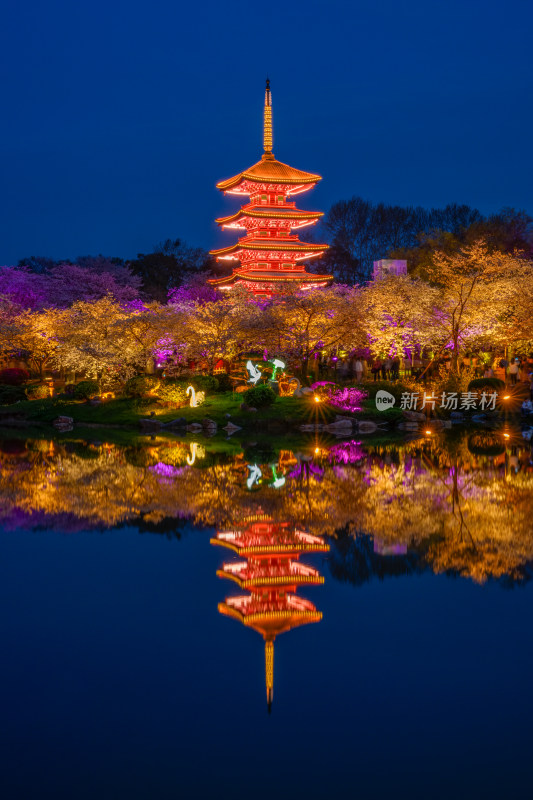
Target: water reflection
(462,505)
(271,574)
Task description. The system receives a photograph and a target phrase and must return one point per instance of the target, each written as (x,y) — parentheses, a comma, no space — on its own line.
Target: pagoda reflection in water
(272,575)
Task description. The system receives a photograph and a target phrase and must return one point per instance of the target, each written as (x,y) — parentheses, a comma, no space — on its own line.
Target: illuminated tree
(94,340)
(398,314)
(34,336)
(89,280)
(476,289)
(301,323)
(213,330)
(23,288)
(142,327)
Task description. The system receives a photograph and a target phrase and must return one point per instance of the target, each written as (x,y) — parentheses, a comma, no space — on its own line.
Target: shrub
(11,394)
(447,381)
(37,391)
(172,393)
(259,396)
(140,385)
(203,383)
(13,376)
(224,382)
(86,389)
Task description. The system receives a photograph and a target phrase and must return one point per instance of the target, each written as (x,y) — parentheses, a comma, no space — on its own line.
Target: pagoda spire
(269,673)
(267,122)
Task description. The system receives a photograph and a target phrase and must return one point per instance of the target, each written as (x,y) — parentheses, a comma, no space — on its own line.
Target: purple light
(167,470)
(346,452)
(348,399)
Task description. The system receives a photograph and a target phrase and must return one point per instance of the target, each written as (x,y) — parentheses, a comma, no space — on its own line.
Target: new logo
(384,400)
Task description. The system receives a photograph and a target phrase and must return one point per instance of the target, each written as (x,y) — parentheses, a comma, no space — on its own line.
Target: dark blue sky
(119,117)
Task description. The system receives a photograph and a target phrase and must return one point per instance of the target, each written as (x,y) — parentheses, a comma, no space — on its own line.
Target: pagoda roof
(294,542)
(266,574)
(270,170)
(271,618)
(271,245)
(270,213)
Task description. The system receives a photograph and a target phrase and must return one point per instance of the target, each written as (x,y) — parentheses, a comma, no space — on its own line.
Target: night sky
(119,117)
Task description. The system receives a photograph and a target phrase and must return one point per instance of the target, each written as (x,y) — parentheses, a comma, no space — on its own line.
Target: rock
(340,428)
(414,416)
(95,401)
(306,390)
(194,427)
(150,424)
(437,424)
(365,426)
(457,416)
(251,408)
(230,428)
(179,422)
(227,416)
(63,424)
(311,428)
(407,426)
(480,418)
(209,426)
(245,407)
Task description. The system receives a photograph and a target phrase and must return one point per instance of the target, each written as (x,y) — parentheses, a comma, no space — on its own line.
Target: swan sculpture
(197,398)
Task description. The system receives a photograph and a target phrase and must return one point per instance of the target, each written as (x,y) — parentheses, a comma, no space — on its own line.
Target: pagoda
(271,574)
(270,256)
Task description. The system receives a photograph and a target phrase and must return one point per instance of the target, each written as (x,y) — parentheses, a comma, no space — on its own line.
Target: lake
(189,619)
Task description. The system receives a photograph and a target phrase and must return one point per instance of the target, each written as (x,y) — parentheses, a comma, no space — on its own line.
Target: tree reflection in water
(461,505)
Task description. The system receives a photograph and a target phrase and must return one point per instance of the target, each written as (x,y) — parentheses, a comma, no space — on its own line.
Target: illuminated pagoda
(271,574)
(269,255)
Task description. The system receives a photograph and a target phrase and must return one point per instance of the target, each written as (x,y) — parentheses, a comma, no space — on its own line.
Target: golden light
(506,435)
(428,433)
(317,399)
(317,450)
(507,397)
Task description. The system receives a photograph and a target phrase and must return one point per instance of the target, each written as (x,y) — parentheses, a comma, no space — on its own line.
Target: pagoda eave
(272,549)
(290,580)
(272,623)
(268,171)
(297,216)
(283,247)
(310,281)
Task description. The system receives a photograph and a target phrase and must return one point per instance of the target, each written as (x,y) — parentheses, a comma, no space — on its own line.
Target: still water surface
(387,587)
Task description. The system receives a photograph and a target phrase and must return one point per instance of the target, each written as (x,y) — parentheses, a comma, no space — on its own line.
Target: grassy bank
(127,411)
